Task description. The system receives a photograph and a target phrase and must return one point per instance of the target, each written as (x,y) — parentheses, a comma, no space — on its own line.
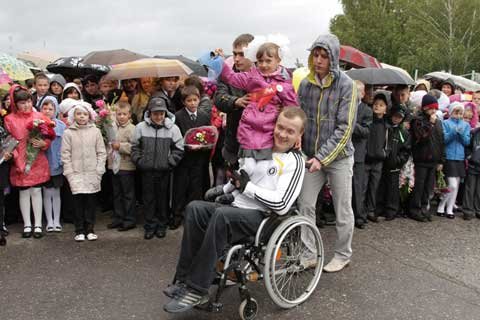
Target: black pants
(188,184)
(155,186)
(2,210)
(358,194)
(373,174)
(84,212)
(424,183)
(471,195)
(124,198)
(106,193)
(67,205)
(388,194)
(208,228)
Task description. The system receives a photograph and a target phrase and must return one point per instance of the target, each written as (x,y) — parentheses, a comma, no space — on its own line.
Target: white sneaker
(336,265)
(92,237)
(79,237)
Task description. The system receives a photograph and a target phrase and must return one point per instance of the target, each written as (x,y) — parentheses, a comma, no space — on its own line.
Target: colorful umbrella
(196,67)
(16,69)
(4,78)
(357,58)
(111,57)
(298,75)
(151,67)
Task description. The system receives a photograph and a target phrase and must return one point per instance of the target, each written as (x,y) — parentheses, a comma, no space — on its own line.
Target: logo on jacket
(272,171)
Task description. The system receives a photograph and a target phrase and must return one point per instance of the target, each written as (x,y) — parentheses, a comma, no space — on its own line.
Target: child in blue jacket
(456,134)
(51,190)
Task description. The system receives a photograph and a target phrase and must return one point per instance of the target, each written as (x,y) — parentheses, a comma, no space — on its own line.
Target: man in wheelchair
(260,186)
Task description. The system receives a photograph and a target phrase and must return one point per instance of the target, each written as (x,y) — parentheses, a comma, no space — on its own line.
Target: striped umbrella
(152,67)
(357,59)
(14,68)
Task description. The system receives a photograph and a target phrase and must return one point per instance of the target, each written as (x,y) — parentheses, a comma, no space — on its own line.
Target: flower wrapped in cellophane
(39,129)
(204,137)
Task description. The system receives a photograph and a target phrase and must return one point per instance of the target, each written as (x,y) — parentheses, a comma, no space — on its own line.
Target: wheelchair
(275,256)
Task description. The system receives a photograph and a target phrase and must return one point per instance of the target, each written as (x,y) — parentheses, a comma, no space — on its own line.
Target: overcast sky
(188,27)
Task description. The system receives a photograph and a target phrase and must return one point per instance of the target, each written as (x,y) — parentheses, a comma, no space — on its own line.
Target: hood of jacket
(58,78)
(72,85)
(54,102)
(13,105)
(331,44)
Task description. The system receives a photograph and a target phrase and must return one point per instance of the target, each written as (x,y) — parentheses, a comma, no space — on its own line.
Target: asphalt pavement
(401,269)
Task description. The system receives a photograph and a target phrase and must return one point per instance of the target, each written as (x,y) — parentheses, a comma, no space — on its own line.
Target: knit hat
(429,102)
(83,105)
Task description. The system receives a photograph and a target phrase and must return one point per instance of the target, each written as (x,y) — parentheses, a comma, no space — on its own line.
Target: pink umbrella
(4,78)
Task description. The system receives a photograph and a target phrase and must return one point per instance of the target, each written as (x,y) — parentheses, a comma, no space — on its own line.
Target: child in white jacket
(83,158)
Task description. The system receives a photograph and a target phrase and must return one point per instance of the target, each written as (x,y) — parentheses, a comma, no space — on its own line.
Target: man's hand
(240,180)
(242,102)
(313,165)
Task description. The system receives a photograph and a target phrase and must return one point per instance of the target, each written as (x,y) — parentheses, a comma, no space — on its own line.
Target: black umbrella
(196,67)
(73,67)
(375,76)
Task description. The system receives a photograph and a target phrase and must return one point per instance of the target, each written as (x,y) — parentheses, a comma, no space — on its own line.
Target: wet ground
(400,270)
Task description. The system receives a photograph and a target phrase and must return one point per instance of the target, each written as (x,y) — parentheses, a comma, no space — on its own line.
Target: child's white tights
(36,195)
(51,204)
(449,198)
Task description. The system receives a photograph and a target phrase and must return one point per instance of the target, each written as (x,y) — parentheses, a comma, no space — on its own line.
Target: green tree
(427,35)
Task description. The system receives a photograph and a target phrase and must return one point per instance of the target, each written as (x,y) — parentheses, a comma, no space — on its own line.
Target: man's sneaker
(188,299)
(336,265)
(92,237)
(175,290)
(79,237)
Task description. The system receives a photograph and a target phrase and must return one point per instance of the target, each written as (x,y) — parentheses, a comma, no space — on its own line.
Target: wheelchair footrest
(214,307)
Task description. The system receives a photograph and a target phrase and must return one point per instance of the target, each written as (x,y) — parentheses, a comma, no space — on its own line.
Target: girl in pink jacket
(29,183)
(270,89)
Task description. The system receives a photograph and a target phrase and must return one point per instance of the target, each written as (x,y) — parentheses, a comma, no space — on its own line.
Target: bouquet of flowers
(37,129)
(441,187)
(107,125)
(204,137)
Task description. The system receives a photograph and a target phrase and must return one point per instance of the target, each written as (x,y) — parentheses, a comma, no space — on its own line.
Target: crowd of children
(149,163)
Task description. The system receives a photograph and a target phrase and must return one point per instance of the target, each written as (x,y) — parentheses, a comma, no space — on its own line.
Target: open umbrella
(111,57)
(4,78)
(357,59)
(16,69)
(462,82)
(151,67)
(196,67)
(40,58)
(376,76)
(72,67)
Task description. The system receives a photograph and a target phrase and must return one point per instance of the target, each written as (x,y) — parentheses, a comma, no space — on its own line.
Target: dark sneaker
(372,217)
(114,225)
(161,233)
(467,216)
(188,299)
(175,290)
(126,228)
(417,217)
(149,235)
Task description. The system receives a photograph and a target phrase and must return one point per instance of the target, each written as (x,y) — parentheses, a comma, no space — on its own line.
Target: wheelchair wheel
(291,270)
(248,309)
